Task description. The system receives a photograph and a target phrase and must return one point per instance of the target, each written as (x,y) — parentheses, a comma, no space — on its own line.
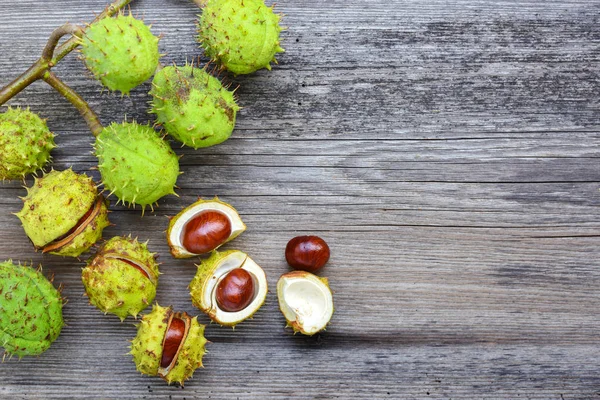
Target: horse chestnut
(168,344)
(229,287)
(205,232)
(235,291)
(202,227)
(172,341)
(307,253)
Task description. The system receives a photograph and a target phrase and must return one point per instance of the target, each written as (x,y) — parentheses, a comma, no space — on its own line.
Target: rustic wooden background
(446,149)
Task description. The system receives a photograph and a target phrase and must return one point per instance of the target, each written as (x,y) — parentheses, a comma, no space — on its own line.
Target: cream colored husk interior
(306,300)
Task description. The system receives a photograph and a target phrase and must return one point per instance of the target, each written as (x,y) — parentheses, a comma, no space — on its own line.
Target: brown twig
(82,106)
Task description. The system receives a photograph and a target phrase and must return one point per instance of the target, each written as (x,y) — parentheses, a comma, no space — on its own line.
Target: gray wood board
(447,151)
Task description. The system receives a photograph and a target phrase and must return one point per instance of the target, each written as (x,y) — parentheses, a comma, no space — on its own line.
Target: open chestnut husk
(306,301)
(307,253)
(229,287)
(168,344)
(203,227)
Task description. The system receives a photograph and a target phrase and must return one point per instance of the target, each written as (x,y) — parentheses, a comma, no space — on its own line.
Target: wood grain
(446,150)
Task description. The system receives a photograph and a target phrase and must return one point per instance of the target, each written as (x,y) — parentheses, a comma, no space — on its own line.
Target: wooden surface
(446,149)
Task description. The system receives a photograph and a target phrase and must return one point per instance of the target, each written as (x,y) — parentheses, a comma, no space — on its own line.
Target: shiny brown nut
(307,253)
(205,232)
(235,291)
(172,341)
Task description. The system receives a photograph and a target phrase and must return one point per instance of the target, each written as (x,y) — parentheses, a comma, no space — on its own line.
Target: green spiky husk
(146,348)
(25,143)
(30,310)
(242,35)
(136,164)
(120,52)
(193,106)
(115,286)
(55,204)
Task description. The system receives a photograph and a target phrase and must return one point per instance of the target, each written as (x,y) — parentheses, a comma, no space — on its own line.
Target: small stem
(84,109)
(41,66)
(58,33)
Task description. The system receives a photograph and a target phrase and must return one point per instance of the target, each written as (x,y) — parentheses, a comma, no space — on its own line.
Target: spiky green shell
(193,106)
(25,143)
(147,347)
(242,35)
(121,52)
(132,249)
(56,202)
(30,310)
(88,237)
(55,205)
(116,286)
(136,164)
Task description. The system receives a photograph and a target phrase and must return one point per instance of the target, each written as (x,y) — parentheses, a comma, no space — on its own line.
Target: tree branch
(32,74)
(82,106)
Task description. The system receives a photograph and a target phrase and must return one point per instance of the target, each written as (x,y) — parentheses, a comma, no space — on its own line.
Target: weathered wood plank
(448,152)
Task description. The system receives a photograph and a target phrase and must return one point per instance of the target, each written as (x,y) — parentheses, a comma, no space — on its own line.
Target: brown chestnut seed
(205,232)
(307,253)
(235,291)
(172,341)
